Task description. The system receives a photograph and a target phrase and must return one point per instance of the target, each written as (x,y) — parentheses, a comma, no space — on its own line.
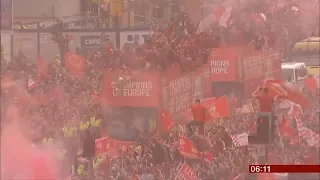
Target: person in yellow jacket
(84,125)
(80,170)
(61,153)
(47,141)
(95,122)
(57,60)
(69,132)
(97,161)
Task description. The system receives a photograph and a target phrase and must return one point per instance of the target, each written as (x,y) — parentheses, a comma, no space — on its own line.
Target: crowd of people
(57,106)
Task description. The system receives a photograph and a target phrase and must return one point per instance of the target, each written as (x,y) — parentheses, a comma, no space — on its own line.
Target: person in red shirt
(199,117)
(265,102)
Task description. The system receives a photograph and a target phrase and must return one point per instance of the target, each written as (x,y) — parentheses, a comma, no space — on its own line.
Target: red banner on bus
(223,64)
(180,89)
(258,65)
(142,89)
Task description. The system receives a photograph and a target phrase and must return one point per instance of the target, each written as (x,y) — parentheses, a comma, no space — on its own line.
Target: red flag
(208,157)
(186,172)
(219,109)
(278,88)
(42,66)
(75,64)
(216,108)
(188,149)
(166,122)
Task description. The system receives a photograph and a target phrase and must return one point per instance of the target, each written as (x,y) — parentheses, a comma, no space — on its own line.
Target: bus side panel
(141,89)
(258,65)
(252,64)
(272,64)
(180,89)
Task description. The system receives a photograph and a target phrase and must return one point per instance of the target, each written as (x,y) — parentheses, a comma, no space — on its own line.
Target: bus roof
(291,65)
(309,45)
(312,39)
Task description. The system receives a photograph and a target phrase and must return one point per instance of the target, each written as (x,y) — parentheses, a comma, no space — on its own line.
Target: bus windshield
(125,123)
(301,72)
(288,75)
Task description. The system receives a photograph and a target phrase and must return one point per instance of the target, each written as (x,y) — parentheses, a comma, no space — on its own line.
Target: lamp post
(38,38)
(117,29)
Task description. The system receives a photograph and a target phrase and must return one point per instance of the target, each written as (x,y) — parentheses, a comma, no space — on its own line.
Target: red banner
(258,65)
(251,70)
(110,146)
(141,90)
(223,64)
(220,109)
(179,89)
(272,63)
(186,173)
(76,64)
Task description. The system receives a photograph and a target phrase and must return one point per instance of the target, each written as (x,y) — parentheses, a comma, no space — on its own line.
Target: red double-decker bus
(135,105)
(238,71)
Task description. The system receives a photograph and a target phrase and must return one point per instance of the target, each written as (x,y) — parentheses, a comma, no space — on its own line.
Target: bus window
(287,75)
(313,61)
(145,36)
(124,123)
(301,73)
(129,38)
(136,37)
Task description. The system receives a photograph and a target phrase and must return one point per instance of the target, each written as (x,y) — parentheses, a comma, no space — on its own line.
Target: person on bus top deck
(199,117)
(265,101)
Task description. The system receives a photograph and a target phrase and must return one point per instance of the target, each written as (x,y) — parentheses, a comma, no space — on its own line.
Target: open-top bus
(135,105)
